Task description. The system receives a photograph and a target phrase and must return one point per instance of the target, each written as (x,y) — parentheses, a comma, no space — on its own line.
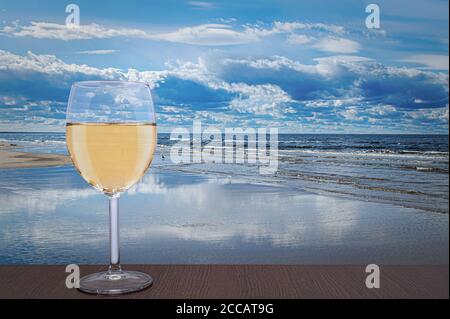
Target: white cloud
(272,99)
(327,66)
(298,39)
(206,34)
(275,63)
(175,118)
(333,102)
(215,116)
(32,124)
(48,30)
(51,65)
(429,61)
(440,114)
(382,110)
(226,20)
(338,45)
(352,87)
(171,109)
(351,114)
(153,78)
(264,99)
(279,27)
(96,52)
(343,59)
(202,5)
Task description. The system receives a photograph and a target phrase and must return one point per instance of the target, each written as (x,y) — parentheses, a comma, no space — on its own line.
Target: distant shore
(9,158)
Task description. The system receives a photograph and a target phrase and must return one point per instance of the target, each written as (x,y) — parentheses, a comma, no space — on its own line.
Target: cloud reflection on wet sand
(188,218)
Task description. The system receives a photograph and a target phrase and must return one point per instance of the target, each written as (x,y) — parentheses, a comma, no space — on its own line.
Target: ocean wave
(372,153)
(431,169)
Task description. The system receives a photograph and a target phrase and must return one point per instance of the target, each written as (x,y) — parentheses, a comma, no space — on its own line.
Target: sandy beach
(204,214)
(10,158)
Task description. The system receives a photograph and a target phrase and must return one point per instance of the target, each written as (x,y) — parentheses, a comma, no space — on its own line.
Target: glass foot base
(115,283)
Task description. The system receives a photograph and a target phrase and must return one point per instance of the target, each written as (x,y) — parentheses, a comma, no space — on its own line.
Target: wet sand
(10,158)
(51,216)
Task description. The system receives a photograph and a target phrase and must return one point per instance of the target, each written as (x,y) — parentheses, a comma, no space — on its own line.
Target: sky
(300,66)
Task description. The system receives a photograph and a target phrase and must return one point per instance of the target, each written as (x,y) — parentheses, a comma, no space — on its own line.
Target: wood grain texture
(239,281)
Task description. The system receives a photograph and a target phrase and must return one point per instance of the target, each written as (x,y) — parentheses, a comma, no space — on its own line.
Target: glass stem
(114,265)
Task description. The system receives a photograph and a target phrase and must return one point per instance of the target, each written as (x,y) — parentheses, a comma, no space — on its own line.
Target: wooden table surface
(239,281)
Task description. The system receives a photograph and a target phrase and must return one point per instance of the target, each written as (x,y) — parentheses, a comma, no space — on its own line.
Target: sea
(406,170)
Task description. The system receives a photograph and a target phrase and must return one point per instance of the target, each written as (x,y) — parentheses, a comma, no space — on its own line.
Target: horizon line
(305,133)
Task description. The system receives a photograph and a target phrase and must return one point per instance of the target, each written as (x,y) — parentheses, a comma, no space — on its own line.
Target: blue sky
(301,66)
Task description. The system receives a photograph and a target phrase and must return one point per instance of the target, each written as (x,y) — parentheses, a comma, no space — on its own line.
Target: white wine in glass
(111,137)
(111,156)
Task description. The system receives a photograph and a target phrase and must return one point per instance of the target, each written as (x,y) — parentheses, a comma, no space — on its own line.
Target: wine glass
(111,138)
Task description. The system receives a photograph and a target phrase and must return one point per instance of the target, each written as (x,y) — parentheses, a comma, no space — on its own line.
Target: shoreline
(17,156)
(10,158)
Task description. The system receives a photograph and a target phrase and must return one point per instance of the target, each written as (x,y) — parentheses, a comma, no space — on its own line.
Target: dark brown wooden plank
(239,281)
